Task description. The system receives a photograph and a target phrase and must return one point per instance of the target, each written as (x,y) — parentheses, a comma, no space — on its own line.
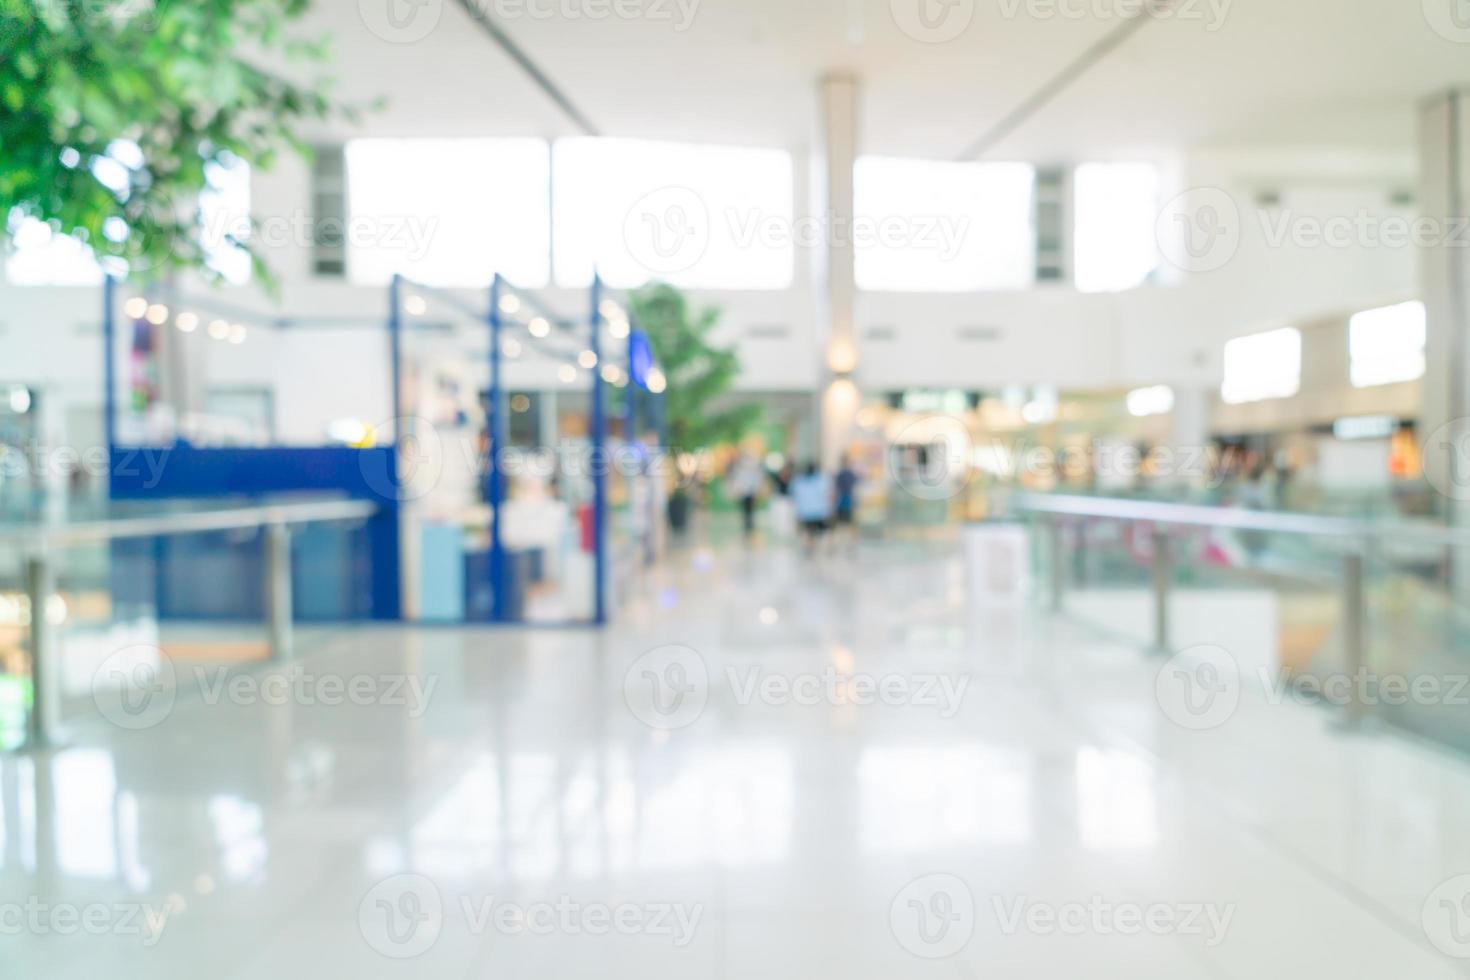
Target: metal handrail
(30,537)
(1238,519)
(1360,535)
(37,542)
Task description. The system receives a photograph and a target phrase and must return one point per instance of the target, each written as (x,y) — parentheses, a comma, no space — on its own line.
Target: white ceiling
(1274,73)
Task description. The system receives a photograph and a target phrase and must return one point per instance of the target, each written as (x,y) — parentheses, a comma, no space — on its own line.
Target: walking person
(845,509)
(745,478)
(780,513)
(811,493)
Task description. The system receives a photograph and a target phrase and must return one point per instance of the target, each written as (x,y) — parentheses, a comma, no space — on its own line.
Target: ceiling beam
(518,55)
(1059,82)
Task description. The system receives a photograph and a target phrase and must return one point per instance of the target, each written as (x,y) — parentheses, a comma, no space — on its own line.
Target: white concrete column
(834,268)
(1444,176)
(1189,434)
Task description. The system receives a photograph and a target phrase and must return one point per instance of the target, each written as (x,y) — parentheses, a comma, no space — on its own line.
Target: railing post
(45,715)
(1354,635)
(1079,555)
(597,421)
(498,426)
(278,590)
(1058,551)
(1163,573)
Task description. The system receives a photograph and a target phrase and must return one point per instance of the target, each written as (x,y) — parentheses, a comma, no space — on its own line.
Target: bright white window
(712,217)
(40,256)
(1156,400)
(1386,345)
(224,218)
(1263,365)
(448,212)
(924,225)
(1116,206)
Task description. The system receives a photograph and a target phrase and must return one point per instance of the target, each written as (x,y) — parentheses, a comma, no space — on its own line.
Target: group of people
(821,502)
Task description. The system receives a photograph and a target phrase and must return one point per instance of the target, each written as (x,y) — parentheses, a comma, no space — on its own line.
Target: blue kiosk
(359,573)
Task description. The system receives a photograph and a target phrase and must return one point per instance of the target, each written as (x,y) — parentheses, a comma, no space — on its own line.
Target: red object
(585,520)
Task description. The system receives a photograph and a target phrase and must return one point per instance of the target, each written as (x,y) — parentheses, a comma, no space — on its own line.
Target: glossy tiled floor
(771,768)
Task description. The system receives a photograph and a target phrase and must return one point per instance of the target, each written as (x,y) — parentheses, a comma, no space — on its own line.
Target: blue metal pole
(499,435)
(631,436)
(630,410)
(395,343)
(388,582)
(598,461)
(109,362)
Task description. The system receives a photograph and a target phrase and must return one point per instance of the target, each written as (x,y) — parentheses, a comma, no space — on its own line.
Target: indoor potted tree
(698,374)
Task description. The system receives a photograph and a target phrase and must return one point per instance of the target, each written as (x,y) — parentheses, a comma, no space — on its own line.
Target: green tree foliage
(698,372)
(189,82)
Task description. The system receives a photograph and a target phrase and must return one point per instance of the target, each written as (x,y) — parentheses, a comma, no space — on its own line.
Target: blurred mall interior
(734,488)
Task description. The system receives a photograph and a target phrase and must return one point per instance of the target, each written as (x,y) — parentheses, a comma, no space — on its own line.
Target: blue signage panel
(640,358)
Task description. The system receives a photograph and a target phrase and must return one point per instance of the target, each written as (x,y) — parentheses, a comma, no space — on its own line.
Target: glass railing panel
(180,613)
(170,614)
(1288,605)
(1105,573)
(1369,619)
(1418,664)
(1275,601)
(15,684)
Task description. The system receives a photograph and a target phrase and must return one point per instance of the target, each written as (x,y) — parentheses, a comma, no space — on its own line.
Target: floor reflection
(536,815)
(796,824)
(926,798)
(1117,801)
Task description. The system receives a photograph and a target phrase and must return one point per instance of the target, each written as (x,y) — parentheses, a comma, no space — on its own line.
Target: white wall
(1171,332)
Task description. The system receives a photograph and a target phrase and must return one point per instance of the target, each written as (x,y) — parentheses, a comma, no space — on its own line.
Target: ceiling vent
(1052,214)
(329,212)
(979,334)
